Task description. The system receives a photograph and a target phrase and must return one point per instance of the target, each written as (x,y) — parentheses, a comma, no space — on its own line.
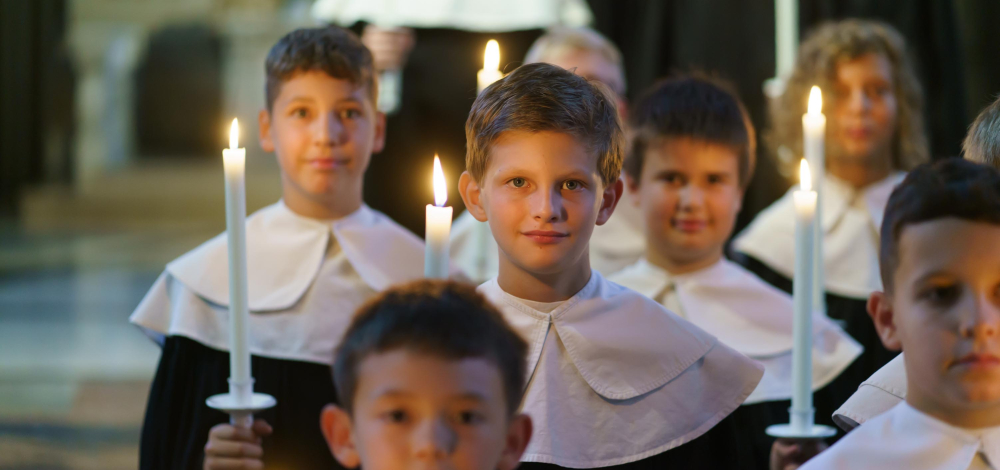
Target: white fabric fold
(906,438)
(851,221)
(615,378)
(304,285)
(885,389)
(748,315)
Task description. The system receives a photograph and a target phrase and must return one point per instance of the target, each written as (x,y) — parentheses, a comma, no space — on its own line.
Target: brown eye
(572,185)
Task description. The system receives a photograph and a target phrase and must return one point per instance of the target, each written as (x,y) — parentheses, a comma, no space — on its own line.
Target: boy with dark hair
(312,258)
(615,378)
(691,159)
(940,265)
(429,373)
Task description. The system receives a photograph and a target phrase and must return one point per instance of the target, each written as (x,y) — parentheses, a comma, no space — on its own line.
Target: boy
(615,244)
(873,103)
(940,267)
(691,159)
(887,387)
(313,258)
(614,378)
(428,374)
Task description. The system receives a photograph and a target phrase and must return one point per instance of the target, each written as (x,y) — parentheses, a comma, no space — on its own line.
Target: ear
(612,194)
(471,195)
(880,309)
(264,124)
(518,435)
(632,185)
(339,434)
(379,139)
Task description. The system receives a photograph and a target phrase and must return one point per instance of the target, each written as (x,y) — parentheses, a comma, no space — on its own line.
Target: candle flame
(234,135)
(815,100)
(440,187)
(491,60)
(805,176)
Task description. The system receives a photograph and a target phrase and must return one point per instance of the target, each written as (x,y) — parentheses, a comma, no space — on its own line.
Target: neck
(547,287)
(334,207)
(676,266)
(860,172)
(973,418)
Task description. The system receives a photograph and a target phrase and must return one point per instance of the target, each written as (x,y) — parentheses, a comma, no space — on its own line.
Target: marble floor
(74,374)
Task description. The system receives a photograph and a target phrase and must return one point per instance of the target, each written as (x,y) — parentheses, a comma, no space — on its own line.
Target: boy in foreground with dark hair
(940,265)
(691,159)
(428,374)
(615,378)
(312,259)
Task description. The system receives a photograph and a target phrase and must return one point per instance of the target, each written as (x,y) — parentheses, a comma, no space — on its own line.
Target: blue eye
(518,182)
(572,185)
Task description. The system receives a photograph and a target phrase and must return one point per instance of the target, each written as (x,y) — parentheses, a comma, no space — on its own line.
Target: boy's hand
(233,448)
(789,454)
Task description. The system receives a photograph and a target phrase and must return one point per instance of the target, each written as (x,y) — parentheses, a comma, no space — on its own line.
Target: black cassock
(177,421)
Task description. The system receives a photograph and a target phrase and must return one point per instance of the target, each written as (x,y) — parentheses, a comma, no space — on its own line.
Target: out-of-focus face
(543,196)
(689,194)
(863,116)
(417,411)
(323,131)
(593,66)
(945,314)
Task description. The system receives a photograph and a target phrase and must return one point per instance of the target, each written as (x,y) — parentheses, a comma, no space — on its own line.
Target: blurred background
(113,114)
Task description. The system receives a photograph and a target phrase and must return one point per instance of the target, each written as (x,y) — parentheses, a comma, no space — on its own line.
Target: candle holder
(802,425)
(241,403)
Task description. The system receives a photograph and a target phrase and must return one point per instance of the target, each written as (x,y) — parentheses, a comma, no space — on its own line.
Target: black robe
(177,421)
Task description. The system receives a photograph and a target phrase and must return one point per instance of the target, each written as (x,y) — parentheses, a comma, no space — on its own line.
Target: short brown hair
(543,97)
(982,144)
(696,106)
(816,64)
(952,187)
(440,318)
(333,50)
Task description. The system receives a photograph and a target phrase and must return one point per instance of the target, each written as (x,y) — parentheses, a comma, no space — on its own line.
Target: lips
(328,163)
(545,237)
(690,225)
(979,361)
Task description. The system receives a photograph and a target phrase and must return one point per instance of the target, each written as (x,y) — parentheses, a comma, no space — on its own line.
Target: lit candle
(491,66)
(813,135)
(805,213)
(438,228)
(234,160)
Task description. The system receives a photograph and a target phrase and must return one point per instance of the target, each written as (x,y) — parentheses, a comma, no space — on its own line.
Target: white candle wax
(805,212)
(786,36)
(813,135)
(491,67)
(234,160)
(438,228)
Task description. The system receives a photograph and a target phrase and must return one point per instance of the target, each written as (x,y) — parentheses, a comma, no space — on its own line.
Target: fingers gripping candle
(438,228)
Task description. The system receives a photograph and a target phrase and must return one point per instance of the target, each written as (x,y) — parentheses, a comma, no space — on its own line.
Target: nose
(434,440)
(858,101)
(691,197)
(328,130)
(984,321)
(546,206)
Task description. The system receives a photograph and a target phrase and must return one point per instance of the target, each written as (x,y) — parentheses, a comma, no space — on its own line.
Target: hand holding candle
(491,66)
(438,228)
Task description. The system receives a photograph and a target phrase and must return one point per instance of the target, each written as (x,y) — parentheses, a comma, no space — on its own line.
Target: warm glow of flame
(234,135)
(491,61)
(815,100)
(440,187)
(805,176)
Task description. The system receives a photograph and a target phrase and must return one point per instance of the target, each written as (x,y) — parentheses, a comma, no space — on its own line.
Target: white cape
(614,377)
(885,389)
(303,285)
(748,315)
(905,438)
(851,221)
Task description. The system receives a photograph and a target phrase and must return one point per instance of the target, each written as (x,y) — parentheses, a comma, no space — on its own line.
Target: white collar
(885,389)
(748,315)
(907,438)
(610,355)
(285,250)
(851,220)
